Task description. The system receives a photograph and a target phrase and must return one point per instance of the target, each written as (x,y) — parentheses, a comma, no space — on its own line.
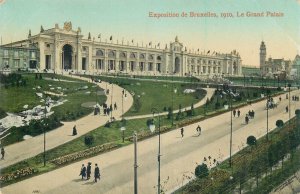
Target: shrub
(149,122)
(251,140)
(88,140)
(217,105)
(170,113)
(201,171)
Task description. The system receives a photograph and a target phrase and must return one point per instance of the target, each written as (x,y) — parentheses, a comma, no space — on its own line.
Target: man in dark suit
(97,173)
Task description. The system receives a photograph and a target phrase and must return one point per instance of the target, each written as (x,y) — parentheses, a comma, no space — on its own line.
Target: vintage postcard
(149,96)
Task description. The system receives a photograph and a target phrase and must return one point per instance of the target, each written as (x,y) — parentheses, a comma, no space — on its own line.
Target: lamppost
(45,116)
(135,162)
(268,101)
(230,150)
(152,129)
(172,98)
(111,101)
(289,85)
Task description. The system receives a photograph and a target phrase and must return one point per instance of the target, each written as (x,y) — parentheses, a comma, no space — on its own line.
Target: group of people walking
(249,115)
(198,130)
(85,172)
(295,98)
(236,112)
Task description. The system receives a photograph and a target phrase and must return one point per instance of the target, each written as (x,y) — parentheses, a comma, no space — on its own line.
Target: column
(42,55)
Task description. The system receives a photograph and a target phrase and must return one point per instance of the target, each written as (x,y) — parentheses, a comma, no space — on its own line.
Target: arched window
(99,53)
(158,58)
(111,54)
(123,55)
(132,56)
(142,56)
(150,57)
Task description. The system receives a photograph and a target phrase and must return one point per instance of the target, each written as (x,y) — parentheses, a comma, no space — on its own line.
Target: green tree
(201,171)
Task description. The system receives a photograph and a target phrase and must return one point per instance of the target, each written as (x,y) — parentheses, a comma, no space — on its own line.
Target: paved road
(179,157)
(31,147)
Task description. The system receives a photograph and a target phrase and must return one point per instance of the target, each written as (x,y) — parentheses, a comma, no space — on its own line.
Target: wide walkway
(31,147)
(179,156)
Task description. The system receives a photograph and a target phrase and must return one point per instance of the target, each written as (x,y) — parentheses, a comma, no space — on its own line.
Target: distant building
(250,70)
(65,49)
(295,71)
(19,57)
(273,67)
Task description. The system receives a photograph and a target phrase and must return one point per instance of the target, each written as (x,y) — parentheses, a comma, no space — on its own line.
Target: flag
(158,44)
(110,38)
(150,43)
(208,52)
(99,36)
(132,41)
(198,50)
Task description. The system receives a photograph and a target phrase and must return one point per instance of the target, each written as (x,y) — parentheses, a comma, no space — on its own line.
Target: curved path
(31,147)
(179,156)
(209,94)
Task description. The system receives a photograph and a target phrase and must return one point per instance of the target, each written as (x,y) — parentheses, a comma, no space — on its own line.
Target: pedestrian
(97,173)
(88,171)
(123,92)
(74,130)
(198,129)
(115,106)
(246,119)
(239,113)
(2,153)
(83,172)
(253,113)
(280,98)
(107,91)
(234,112)
(287,109)
(182,131)
(286,96)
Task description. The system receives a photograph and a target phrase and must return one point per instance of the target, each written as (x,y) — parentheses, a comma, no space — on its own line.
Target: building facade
(65,49)
(19,58)
(273,67)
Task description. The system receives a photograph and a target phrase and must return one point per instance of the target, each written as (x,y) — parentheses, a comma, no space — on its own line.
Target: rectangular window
(16,54)
(17,63)
(32,54)
(6,53)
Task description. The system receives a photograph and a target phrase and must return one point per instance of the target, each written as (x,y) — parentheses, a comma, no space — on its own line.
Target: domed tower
(262,55)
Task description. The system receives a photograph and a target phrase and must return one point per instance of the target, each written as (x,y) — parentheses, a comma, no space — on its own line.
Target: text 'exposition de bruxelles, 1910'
(209,14)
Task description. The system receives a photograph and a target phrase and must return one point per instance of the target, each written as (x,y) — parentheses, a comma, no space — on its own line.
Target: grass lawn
(156,94)
(14,98)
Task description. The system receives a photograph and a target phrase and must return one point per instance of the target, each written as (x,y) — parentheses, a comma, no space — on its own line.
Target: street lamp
(268,100)
(111,101)
(45,116)
(152,129)
(289,85)
(123,133)
(135,162)
(230,150)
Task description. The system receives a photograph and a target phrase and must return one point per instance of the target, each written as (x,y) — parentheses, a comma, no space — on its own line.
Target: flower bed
(82,154)
(17,174)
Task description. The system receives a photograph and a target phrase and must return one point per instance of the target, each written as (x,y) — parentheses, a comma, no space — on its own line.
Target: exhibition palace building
(64,49)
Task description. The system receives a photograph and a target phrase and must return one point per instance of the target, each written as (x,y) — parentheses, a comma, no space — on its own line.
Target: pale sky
(129,19)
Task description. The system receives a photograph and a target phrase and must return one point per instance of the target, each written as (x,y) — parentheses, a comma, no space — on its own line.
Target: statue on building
(89,37)
(42,29)
(29,33)
(176,39)
(68,26)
